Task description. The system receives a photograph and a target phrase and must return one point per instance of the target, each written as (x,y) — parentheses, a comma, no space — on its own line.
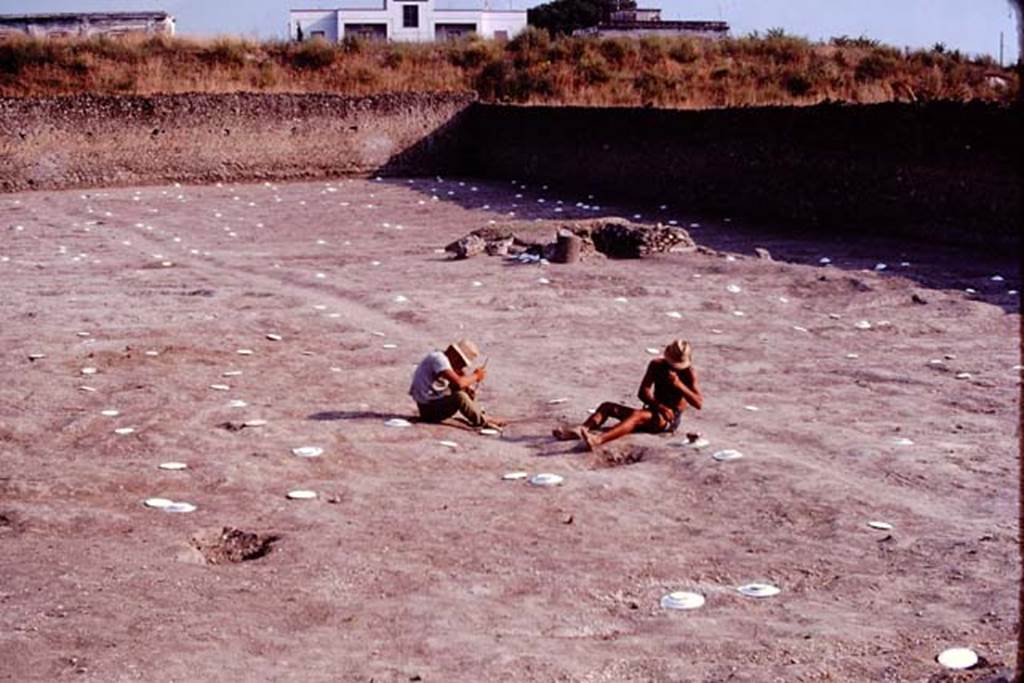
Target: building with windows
(87,24)
(414,21)
(648,22)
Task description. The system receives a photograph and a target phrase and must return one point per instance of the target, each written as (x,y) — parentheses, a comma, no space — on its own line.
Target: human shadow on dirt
(333,415)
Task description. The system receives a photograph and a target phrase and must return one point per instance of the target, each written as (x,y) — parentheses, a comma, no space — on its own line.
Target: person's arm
(646,394)
(463,382)
(690,390)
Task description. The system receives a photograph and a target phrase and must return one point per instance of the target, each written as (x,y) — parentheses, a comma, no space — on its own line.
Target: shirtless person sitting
(669,386)
(441,388)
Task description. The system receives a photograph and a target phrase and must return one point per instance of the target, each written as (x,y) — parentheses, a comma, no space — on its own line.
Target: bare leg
(605,411)
(630,424)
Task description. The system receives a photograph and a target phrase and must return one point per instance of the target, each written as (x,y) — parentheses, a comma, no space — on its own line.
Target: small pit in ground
(619,456)
(230,545)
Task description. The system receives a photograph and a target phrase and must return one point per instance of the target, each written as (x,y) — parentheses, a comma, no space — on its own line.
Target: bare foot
(591,440)
(567,433)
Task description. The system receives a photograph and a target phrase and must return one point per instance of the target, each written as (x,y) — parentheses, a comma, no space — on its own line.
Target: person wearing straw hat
(441,387)
(668,387)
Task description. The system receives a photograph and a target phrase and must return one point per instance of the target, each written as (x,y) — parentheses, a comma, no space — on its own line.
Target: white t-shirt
(427,386)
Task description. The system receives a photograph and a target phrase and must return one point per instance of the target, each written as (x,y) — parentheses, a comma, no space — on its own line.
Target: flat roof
(70,16)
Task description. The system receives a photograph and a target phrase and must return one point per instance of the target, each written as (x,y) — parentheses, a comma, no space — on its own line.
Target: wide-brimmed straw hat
(679,354)
(466,350)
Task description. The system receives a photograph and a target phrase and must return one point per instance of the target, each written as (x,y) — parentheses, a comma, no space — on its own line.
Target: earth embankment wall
(91,141)
(944,171)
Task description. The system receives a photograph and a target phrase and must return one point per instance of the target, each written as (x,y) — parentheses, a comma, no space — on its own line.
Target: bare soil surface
(416,561)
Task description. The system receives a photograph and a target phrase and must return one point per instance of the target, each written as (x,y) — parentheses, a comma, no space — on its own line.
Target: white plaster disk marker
(220,387)
(244,352)
(123,431)
(682,600)
(110,412)
(397,422)
(157,503)
(881,526)
(547,479)
(489,431)
(727,455)
(448,444)
(89,371)
(173,466)
(255,423)
(180,507)
(697,444)
(958,658)
(759,590)
(515,476)
(308,451)
(301,494)
(274,337)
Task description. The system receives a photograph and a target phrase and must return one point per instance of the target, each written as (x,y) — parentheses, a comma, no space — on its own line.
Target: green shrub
(593,69)
(875,66)
(530,46)
(315,54)
(615,50)
(495,81)
(685,52)
(469,54)
(797,84)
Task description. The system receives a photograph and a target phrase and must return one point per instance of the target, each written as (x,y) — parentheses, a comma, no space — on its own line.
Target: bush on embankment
(776,69)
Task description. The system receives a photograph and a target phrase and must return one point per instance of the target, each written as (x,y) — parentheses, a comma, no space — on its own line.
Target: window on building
(410,16)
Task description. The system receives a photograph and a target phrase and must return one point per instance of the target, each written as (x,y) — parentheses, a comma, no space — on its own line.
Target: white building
(415,21)
(87,24)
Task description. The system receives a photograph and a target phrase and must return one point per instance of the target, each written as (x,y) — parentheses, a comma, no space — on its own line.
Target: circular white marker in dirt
(302,494)
(682,600)
(255,423)
(237,403)
(308,451)
(697,444)
(727,455)
(400,299)
(448,444)
(244,352)
(653,351)
(173,466)
(90,390)
(963,375)
(735,289)
(36,356)
(157,503)
(84,334)
(488,431)
(89,371)
(274,337)
(674,314)
(124,430)
(220,387)
(862,325)
(152,354)
(853,356)
(903,441)
(397,422)
(515,476)
(389,346)
(738,314)
(180,507)
(957,658)
(556,401)
(547,479)
(231,373)
(752,409)
(882,526)
(110,412)
(759,590)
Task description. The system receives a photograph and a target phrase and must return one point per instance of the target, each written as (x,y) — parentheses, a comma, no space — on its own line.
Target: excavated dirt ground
(417,561)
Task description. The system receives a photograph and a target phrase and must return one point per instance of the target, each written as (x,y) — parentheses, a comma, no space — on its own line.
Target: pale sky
(973,26)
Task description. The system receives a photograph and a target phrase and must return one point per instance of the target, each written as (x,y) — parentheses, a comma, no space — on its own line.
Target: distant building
(87,24)
(414,21)
(648,22)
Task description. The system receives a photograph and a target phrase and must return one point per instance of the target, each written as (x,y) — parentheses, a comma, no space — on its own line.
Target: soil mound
(232,545)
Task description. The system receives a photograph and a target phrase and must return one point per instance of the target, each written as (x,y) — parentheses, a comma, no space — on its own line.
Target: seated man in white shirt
(441,388)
